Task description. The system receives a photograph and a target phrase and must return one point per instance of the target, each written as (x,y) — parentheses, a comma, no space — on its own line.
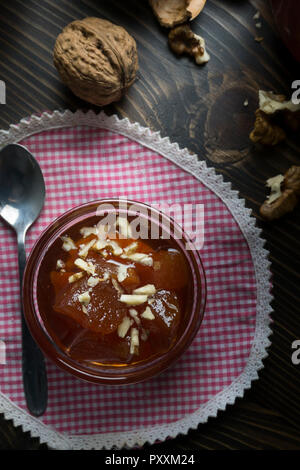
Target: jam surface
(106,298)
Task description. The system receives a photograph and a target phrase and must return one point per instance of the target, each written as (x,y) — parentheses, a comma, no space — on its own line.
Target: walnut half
(265,131)
(274,116)
(182,40)
(285,197)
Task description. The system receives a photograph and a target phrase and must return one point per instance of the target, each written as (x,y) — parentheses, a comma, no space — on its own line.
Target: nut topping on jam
(68,243)
(135,315)
(133,299)
(92,281)
(75,277)
(148,314)
(148,289)
(84,249)
(60,264)
(84,298)
(134,341)
(117,299)
(88,267)
(122,272)
(142,258)
(124,327)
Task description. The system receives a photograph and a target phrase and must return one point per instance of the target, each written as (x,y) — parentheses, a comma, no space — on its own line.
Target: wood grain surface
(201,108)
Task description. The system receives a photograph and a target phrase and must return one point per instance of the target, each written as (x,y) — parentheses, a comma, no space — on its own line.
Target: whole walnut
(96,59)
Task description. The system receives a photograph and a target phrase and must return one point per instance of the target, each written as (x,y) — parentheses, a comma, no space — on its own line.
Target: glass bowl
(86,215)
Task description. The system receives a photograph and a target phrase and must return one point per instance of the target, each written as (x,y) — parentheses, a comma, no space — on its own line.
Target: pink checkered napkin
(82,164)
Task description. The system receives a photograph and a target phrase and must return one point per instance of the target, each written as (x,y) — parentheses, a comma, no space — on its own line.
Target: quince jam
(110,299)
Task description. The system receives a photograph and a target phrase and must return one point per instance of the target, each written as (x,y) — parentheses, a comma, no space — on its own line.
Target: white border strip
(246,222)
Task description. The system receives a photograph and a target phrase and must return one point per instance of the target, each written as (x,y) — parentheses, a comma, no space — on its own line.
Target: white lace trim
(246,222)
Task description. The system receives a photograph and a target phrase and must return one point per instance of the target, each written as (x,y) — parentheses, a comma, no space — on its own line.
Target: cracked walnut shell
(96,59)
(173,12)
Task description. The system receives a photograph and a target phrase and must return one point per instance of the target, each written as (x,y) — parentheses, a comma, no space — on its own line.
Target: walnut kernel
(274,116)
(289,196)
(266,132)
(182,40)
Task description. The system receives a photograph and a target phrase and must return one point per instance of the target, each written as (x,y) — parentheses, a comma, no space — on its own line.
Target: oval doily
(89,156)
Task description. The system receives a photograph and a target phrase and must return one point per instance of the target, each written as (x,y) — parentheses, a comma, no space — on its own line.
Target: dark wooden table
(202,109)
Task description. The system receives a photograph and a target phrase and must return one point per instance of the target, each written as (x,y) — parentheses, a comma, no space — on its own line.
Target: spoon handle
(33,363)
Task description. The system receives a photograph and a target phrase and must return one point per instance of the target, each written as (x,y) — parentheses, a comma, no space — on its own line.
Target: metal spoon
(22,195)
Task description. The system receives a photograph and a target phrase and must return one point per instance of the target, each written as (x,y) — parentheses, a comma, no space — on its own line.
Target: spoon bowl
(22,196)
(22,187)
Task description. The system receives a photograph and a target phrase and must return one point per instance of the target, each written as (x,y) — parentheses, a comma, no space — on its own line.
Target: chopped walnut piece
(84,248)
(117,285)
(134,341)
(147,314)
(129,249)
(75,277)
(68,243)
(141,258)
(124,327)
(133,299)
(148,289)
(289,196)
(134,314)
(88,267)
(84,298)
(93,281)
(60,264)
(122,272)
(182,40)
(87,231)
